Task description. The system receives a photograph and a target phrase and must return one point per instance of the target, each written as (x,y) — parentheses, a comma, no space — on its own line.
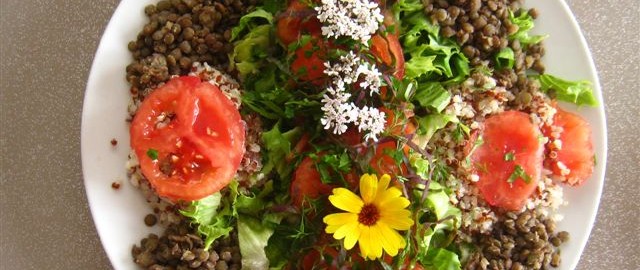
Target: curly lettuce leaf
(430,57)
(576,92)
(214,214)
(525,23)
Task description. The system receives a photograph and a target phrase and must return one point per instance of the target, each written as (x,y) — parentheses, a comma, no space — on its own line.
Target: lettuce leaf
(577,92)
(429,56)
(214,214)
(433,96)
(249,52)
(253,237)
(525,23)
(278,146)
(441,259)
(428,125)
(249,21)
(505,58)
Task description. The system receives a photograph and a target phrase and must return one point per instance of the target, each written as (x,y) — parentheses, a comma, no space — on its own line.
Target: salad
(351,134)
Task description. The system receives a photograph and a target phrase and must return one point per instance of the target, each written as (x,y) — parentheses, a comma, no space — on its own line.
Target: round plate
(118,214)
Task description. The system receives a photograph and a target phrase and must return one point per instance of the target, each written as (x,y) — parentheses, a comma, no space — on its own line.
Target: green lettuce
(433,96)
(253,237)
(505,58)
(428,125)
(213,215)
(249,52)
(250,21)
(525,23)
(278,146)
(577,92)
(429,56)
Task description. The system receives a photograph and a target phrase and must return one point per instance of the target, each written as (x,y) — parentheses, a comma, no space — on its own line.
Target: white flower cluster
(338,111)
(357,19)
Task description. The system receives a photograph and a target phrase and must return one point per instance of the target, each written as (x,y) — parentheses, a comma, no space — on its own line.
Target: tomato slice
(308,64)
(298,19)
(306,183)
(196,133)
(388,51)
(576,152)
(509,141)
(383,163)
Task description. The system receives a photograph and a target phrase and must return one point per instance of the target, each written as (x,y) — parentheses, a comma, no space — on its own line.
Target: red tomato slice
(308,64)
(388,51)
(510,141)
(306,183)
(298,19)
(199,144)
(383,163)
(576,152)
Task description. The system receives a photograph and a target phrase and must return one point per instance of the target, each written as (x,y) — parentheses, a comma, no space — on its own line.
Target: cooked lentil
(150,220)
(180,247)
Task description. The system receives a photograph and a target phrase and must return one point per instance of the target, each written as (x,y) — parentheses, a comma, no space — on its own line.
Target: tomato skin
(576,152)
(383,163)
(199,148)
(508,132)
(306,183)
(308,64)
(388,51)
(297,20)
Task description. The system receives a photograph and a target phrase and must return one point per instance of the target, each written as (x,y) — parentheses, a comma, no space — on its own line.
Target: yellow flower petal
(398,220)
(396,203)
(350,232)
(384,183)
(346,200)
(340,218)
(368,187)
(392,241)
(376,244)
(364,241)
(332,228)
(388,194)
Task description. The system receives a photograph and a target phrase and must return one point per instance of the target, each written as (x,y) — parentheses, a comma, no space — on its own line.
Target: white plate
(118,214)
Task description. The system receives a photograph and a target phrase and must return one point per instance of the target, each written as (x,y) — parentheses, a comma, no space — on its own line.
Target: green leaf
(250,20)
(525,23)
(428,125)
(278,146)
(518,172)
(212,221)
(152,154)
(438,202)
(442,259)
(418,65)
(433,96)
(249,52)
(505,58)
(577,92)
(253,237)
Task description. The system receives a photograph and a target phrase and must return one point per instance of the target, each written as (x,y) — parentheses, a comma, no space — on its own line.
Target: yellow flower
(373,220)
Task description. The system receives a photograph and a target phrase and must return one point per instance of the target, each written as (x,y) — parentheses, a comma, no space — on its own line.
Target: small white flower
(357,19)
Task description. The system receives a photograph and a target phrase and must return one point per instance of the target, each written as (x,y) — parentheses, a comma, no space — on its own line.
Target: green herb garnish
(511,156)
(152,154)
(518,172)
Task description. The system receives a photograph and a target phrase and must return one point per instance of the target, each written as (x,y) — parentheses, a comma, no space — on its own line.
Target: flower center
(369,215)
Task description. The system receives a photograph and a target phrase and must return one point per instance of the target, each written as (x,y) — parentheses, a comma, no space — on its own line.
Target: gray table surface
(46,50)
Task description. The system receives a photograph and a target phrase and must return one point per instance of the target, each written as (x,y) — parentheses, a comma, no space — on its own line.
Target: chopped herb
(152,154)
(511,156)
(505,58)
(518,172)
(479,141)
